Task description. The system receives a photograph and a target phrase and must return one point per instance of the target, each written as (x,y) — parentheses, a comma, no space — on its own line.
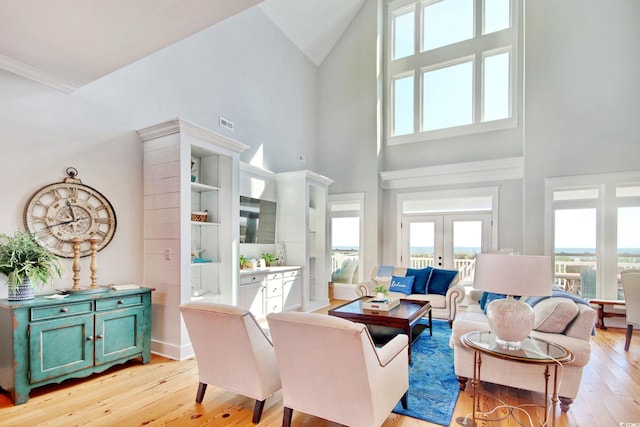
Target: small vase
(380,295)
(23,292)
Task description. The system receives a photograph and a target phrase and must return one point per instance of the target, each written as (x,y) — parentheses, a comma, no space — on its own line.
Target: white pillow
(554,314)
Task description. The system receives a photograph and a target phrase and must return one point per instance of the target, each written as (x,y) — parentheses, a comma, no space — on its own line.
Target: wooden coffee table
(403,317)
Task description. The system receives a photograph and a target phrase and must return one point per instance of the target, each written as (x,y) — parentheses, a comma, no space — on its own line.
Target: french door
(449,241)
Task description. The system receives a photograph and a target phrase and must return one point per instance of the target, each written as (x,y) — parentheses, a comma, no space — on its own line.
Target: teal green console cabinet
(45,341)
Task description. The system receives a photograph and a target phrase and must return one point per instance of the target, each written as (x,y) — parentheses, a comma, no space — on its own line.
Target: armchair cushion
(421,279)
(440,280)
(401,284)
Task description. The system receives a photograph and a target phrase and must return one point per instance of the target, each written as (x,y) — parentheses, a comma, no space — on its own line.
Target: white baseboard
(171,351)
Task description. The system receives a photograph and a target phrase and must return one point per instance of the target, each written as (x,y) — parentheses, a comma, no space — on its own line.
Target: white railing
(464,266)
(565,278)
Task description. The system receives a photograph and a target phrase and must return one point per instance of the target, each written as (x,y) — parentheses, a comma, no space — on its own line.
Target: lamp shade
(524,275)
(511,320)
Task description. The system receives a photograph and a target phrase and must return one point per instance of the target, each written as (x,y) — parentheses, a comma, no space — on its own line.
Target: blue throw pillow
(421,279)
(440,280)
(483,300)
(401,284)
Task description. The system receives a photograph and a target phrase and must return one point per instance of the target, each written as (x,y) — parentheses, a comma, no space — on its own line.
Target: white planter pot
(23,292)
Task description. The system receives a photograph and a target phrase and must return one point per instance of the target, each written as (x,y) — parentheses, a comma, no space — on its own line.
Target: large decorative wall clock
(69,211)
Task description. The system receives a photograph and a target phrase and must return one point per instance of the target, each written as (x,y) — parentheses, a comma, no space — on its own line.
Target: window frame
(606,205)
(349,198)
(479,47)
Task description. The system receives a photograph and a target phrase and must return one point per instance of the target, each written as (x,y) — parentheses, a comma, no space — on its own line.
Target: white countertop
(269,269)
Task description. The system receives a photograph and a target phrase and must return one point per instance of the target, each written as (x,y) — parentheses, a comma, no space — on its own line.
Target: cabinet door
(119,334)
(60,346)
(292,293)
(252,298)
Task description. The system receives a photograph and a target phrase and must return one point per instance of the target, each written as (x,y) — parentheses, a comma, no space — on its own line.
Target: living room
(576,118)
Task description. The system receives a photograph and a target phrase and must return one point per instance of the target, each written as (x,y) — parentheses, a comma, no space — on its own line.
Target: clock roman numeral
(73,194)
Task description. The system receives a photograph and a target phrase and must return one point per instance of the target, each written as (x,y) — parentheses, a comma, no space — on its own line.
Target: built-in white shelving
(188,169)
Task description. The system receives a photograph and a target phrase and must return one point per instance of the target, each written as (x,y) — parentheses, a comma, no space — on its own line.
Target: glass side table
(532,351)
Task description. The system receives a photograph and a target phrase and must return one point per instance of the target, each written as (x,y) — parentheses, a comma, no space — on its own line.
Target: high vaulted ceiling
(69,43)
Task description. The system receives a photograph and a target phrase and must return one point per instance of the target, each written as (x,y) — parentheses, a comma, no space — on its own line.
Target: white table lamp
(524,275)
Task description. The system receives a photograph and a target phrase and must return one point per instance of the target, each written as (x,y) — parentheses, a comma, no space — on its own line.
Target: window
(346,222)
(595,232)
(451,67)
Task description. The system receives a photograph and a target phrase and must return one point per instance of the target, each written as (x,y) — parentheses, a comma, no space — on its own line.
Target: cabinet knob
(120,301)
(100,336)
(90,338)
(64,309)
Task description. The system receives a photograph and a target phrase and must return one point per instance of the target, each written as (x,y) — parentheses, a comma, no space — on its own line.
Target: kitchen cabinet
(271,290)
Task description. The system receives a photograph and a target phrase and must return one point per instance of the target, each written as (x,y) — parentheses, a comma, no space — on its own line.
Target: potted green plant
(380,291)
(26,264)
(268,258)
(243,261)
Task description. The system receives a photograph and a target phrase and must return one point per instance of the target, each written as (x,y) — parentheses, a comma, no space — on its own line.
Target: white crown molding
(256,171)
(456,173)
(35,74)
(306,174)
(179,125)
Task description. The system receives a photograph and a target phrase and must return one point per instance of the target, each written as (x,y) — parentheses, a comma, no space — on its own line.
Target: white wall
(583,96)
(347,111)
(256,78)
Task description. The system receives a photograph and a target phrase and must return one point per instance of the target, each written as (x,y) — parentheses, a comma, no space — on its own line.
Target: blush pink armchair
(330,368)
(232,352)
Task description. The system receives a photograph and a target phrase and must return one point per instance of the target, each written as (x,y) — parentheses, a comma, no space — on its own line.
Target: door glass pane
(467,242)
(403,35)
(496,87)
(628,241)
(575,250)
(448,97)
(447,22)
(496,16)
(345,248)
(403,106)
(421,244)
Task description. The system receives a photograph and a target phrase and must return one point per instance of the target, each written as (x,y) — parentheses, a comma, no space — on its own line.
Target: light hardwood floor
(163,393)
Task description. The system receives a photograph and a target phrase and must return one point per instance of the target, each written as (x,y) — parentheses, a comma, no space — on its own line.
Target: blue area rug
(433,387)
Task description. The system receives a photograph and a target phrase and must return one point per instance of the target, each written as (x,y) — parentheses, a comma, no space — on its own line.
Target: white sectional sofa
(445,296)
(571,328)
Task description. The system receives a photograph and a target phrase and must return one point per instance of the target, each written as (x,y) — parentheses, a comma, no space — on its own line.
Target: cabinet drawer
(61,310)
(274,305)
(274,288)
(291,274)
(124,301)
(274,276)
(246,279)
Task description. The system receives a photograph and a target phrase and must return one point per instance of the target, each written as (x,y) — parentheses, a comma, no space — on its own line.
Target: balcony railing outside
(465,266)
(567,273)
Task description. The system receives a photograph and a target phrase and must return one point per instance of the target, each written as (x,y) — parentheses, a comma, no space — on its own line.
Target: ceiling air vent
(226,123)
